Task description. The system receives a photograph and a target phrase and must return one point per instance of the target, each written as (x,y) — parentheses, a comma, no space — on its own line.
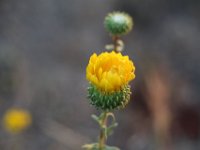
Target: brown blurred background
(44,49)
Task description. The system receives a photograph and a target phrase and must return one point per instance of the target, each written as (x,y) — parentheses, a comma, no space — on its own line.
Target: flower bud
(118,23)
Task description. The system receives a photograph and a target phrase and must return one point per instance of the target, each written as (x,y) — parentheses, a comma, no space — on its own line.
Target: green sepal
(109,101)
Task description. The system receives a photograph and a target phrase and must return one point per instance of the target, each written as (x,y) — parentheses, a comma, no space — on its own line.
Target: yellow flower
(110,71)
(15,120)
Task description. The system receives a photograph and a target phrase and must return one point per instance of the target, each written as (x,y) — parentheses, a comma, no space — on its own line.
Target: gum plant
(109,74)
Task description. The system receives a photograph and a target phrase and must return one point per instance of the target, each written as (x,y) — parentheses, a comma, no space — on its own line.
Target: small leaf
(111,127)
(111,148)
(96,118)
(109,47)
(93,146)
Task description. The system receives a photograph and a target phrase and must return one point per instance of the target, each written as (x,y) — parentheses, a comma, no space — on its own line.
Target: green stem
(102,137)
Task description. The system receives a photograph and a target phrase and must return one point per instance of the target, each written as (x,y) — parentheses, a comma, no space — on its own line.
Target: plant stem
(102,137)
(115,40)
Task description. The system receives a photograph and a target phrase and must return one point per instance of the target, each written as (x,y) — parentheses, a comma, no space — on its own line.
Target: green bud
(118,23)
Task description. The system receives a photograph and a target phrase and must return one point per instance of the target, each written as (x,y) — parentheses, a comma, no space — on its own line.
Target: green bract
(118,23)
(109,101)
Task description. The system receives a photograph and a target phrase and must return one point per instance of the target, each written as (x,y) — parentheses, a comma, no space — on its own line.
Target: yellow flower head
(15,120)
(110,71)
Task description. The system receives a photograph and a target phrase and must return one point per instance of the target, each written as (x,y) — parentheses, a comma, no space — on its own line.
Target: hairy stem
(102,137)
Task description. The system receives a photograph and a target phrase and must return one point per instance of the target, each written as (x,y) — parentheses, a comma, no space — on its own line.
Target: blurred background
(44,50)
